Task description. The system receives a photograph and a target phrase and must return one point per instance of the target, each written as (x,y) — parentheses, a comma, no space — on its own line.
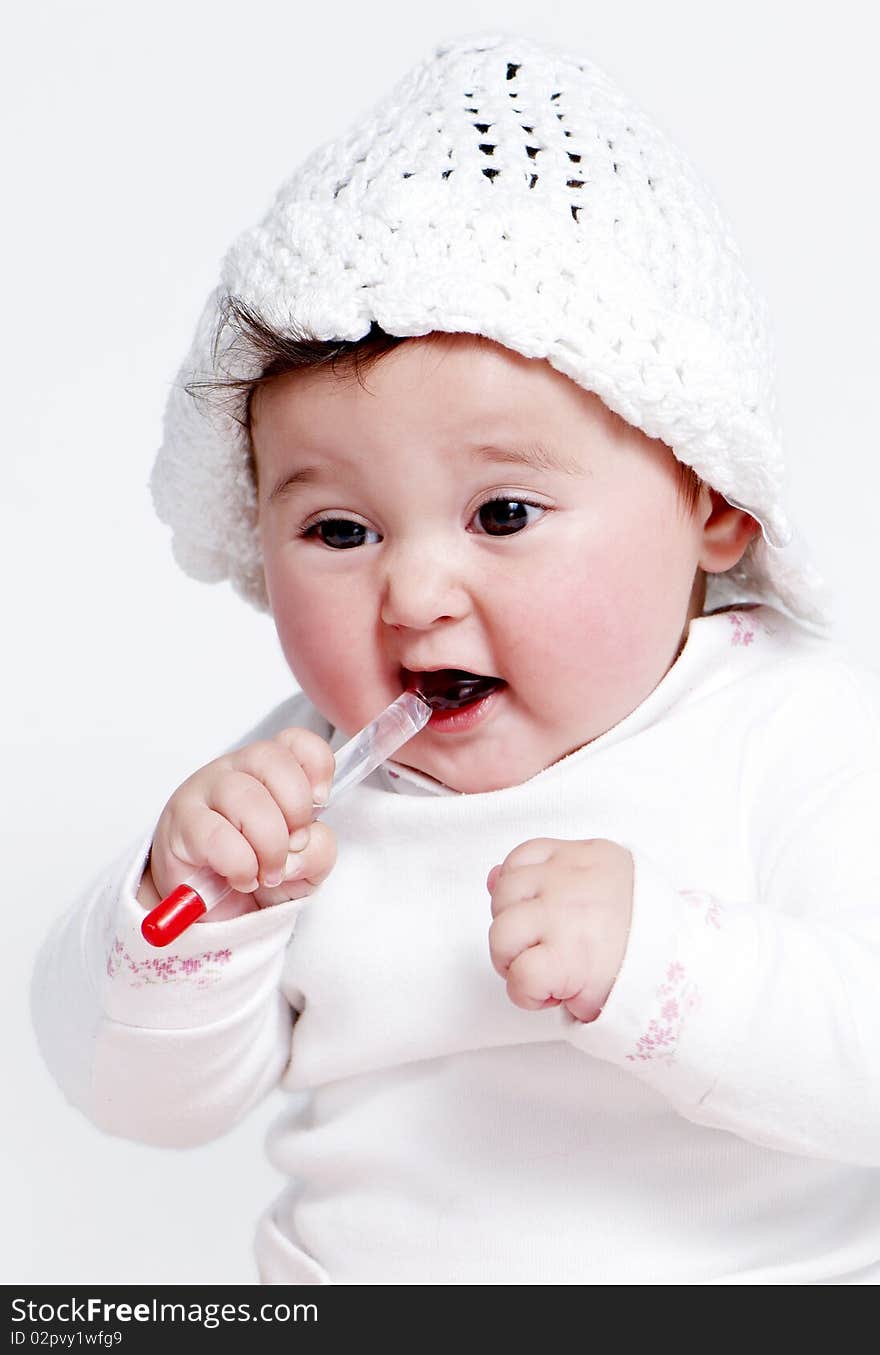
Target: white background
(144,138)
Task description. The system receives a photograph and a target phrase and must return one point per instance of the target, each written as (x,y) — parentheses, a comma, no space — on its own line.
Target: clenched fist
(248,815)
(562,912)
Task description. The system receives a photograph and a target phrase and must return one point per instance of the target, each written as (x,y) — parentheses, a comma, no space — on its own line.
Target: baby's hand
(562,912)
(248,816)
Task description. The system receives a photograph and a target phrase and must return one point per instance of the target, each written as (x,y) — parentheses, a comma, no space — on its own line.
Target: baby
(582,983)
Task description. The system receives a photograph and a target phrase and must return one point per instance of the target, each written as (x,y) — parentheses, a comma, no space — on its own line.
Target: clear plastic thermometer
(198,894)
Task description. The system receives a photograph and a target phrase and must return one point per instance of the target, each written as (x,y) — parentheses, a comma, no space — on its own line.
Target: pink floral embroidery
(698,898)
(200,970)
(743,634)
(677,999)
(746,627)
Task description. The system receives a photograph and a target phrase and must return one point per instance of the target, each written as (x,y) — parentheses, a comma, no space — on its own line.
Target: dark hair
(283,353)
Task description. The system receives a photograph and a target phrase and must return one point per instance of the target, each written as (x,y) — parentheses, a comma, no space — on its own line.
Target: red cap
(172,916)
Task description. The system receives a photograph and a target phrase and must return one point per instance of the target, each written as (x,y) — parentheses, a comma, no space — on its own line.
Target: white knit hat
(508,189)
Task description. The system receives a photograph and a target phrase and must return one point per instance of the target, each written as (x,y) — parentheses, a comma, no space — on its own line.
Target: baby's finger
(250,808)
(516,886)
(535,979)
(537,851)
(316,860)
(316,757)
(278,769)
(305,870)
(206,838)
(513,932)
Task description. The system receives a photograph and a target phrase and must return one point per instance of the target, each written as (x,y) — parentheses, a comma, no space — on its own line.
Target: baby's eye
(504,517)
(341,533)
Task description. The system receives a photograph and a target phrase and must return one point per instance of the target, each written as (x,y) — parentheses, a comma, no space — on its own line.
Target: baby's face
(412,536)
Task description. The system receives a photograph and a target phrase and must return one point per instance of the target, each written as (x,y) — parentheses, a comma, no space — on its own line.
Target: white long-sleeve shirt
(719,1123)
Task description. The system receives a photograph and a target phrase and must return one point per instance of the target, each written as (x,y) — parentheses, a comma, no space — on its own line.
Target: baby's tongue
(450,688)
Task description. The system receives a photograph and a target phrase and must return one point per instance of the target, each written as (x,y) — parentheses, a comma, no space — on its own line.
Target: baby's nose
(423,586)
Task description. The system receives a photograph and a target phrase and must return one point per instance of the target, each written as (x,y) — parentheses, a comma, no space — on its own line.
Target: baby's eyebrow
(306,475)
(534,454)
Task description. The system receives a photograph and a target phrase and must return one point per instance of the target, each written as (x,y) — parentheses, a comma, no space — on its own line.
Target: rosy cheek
(313,644)
(329,647)
(581,625)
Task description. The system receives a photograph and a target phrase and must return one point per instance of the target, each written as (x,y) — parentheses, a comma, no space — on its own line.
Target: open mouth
(451,688)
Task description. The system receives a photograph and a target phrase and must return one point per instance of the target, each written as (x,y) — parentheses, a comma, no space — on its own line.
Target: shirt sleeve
(174,1046)
(760,1015)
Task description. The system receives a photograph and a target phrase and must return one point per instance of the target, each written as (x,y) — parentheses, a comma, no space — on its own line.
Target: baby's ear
(727,532)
